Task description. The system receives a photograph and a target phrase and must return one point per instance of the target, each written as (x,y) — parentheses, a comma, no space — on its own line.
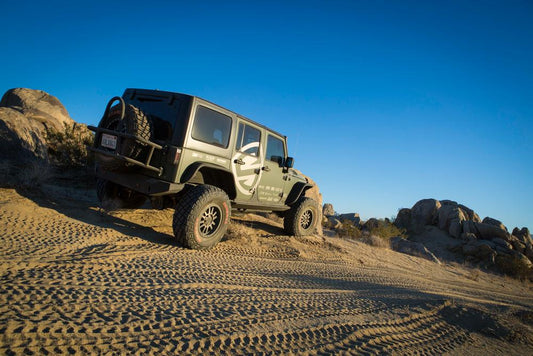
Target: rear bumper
(140,183)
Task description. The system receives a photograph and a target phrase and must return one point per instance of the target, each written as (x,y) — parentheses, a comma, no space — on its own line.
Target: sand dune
(76,280)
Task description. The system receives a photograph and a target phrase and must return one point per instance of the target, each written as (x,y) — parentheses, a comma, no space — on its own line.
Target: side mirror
(289,162)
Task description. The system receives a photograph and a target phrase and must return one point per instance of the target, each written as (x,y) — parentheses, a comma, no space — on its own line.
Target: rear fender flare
(224,178)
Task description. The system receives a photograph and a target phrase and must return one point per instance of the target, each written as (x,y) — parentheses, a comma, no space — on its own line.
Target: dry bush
(386,230)
(68,148)
(349,230)
(376,241)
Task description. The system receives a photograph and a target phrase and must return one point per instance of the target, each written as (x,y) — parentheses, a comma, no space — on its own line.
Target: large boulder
(412,248)
(26,116)
(39,106)
(353,217)
(22,139)
(469,213)
(523,235)
(424,212)
(488,232)
(451,218)
(327,210)
(480,249)
(494,222)
(403,219)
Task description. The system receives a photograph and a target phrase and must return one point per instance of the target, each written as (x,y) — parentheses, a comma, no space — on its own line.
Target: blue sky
(384,102)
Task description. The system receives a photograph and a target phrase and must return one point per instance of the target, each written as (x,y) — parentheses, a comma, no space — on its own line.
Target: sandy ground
(76,280)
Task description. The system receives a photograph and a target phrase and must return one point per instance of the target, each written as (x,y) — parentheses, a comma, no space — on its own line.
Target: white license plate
(109,141)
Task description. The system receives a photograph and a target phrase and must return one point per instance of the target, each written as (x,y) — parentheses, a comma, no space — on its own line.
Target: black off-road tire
(113,196)
(302,217)
(201,217)
(136,123)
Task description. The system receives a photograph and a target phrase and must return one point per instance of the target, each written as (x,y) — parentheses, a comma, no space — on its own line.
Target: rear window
(166,116)
(211,127)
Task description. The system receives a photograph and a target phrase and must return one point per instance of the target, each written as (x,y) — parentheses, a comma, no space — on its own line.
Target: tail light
(177,155)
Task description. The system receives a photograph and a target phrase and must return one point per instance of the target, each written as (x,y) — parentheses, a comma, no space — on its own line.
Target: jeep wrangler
(181,151)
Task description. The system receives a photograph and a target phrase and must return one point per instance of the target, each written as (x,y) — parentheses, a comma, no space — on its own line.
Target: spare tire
(135,122)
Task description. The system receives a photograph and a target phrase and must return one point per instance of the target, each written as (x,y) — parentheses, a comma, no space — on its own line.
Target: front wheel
(201,217)
(302,217)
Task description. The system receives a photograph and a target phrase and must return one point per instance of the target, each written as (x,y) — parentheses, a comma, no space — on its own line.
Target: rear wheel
(113,196)
(302,217)
(201,217)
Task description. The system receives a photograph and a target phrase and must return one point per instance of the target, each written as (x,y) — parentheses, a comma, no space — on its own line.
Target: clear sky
(384,102)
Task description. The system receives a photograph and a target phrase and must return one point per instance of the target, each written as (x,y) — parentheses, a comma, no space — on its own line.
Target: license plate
(109,141)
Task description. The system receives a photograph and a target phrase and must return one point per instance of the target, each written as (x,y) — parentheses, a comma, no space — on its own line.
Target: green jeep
(184,152)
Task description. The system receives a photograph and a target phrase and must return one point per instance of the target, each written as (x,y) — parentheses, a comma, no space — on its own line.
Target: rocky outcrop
(327,210)
(353,217)
(487,241)
(38,106)
(25,117)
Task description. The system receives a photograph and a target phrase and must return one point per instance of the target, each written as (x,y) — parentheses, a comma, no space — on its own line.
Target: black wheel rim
(306,220)
(210,221)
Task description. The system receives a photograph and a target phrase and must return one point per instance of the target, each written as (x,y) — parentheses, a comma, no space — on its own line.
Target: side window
(275,150)
(211,127)
(248,139)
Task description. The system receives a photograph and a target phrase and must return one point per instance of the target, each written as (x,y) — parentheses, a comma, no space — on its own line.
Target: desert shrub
(385,229)
(68,148)
(349,230)
(376,241)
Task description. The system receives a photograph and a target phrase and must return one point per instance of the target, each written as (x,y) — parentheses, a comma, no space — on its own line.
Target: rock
(371,223)
(468,236)
(334,222)
(502,242)
(327,210)
(517,244)
(353,217)
(469,227)
(412,248)
(482,250)
(22,139)
(450,218)
(469,213)
(514,263)
(403,219)
(529,253)
(424,212)
(488,232)
(494,222)
(523,235)
(39,106)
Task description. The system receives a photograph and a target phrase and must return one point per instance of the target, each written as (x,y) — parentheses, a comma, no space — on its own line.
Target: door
(272,181)
(247,162)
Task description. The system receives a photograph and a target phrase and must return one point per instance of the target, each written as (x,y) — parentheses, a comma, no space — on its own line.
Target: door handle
(266,169)
(239,161)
